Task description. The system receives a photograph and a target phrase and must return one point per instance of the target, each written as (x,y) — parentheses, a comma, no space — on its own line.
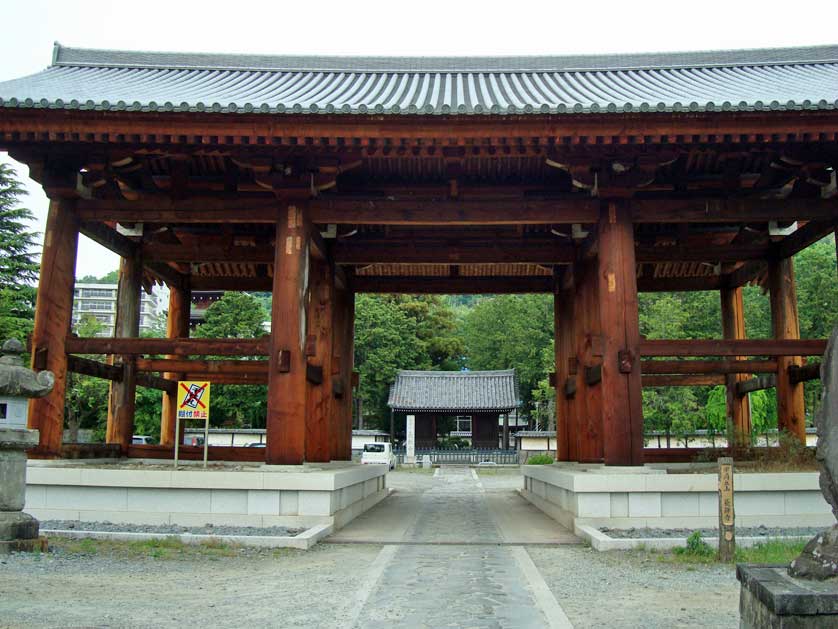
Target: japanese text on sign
(193,400)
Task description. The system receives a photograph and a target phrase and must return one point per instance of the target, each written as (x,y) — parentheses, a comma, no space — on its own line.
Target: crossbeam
(747,347)
(691,367)
(174,346)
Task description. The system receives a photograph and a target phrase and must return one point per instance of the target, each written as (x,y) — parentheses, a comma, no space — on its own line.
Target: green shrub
(540,459)
(696,547)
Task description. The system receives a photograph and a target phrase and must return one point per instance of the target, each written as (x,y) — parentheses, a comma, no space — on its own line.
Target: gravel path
(207,529)
(741,531)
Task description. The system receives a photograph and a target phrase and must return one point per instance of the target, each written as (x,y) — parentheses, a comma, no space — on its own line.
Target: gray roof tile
(739,80)
(455,391)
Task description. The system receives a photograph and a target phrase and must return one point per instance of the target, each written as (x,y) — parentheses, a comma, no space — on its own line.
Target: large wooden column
(733,327)
(53,318)
(565,349)
(622,406)
(286,421)
(320,428)
(342,365)
(177,326)
(122,398)
(586,403)
(790,402)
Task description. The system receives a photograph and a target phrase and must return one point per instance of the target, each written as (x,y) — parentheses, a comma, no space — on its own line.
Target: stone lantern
(18,530)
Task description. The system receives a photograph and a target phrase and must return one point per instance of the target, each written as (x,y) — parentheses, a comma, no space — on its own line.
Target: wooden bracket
(593,374)
(284,361)
(337,388)
(314,374)
(570,387)
(625,360)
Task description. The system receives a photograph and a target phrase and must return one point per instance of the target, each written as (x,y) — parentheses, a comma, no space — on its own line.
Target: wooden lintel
(156,382)
(233,367)
(691,367)
(109,238)
(729,347)
(175,346)
(807,235)
(95,368)
(682,380)
(452,286)
(804,373)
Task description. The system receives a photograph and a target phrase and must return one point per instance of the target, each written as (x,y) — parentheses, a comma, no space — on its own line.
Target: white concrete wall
(647,497)
(254,496)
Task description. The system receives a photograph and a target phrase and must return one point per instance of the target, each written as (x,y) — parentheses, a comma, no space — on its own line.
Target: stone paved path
(452,566)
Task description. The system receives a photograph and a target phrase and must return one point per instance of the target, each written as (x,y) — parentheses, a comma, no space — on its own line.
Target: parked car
(378,454)
(144,440)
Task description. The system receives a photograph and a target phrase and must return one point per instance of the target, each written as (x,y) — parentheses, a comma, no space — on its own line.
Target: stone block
(593,505)
(759,503)
(289,502)
(260,502)
(316,503)
(645,505)
(85,498)
(619,505)
(805,502)
(708,504)
(228,501)
(36,497)
(769,597)
(169,500)
(680,504)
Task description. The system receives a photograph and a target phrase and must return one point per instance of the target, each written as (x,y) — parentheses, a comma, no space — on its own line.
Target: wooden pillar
(53,318)
(565,349)
(177,326)
(122,398)
(505,431)
(586,403)
(622,408)
(285,424)
(790,403)
(321,438)
(738,406)
(342,364)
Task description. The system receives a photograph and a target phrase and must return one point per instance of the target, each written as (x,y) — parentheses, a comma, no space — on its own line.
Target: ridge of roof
(429,372)
(111,58)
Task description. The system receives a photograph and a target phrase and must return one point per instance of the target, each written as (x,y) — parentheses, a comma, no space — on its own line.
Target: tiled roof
(455,391)
(738,80)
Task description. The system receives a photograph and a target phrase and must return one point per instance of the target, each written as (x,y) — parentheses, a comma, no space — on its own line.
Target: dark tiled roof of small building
(455,391)
(730,80)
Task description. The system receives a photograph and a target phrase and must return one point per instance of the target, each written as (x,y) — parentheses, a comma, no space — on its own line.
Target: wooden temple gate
(334,192)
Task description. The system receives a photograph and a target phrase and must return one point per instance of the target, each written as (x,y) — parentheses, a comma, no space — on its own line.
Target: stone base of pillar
(771,598)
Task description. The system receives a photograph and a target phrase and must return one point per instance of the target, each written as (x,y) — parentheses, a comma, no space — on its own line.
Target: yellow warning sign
(193,400)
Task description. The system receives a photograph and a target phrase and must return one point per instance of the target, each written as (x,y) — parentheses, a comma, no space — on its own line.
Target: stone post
(18,530)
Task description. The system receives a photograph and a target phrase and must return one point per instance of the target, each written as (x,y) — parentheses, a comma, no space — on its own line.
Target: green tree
(86,399)
(512,331)
(394,332)
(18,268)
(236,315)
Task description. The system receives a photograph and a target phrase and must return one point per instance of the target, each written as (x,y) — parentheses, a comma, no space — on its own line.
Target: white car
(378,454)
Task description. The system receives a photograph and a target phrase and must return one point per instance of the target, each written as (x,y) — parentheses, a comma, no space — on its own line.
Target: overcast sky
(374,27)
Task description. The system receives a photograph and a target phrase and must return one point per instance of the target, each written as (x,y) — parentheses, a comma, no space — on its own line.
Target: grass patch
(697,551)
(540,459)
(166,548)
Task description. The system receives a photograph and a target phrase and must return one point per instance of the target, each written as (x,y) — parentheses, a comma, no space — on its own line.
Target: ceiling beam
(452,285)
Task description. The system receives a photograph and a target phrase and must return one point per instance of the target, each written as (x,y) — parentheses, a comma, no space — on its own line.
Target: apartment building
(99,300)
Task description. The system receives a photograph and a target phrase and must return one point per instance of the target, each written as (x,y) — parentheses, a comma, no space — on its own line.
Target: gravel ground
(624,590)
(741,531)
(207,529)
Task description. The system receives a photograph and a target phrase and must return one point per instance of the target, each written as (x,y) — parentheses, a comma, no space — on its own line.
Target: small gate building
(476,399)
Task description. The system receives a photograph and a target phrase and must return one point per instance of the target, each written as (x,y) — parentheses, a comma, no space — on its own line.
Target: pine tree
(18,267)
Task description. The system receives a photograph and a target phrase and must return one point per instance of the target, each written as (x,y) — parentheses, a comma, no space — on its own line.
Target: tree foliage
(18,266)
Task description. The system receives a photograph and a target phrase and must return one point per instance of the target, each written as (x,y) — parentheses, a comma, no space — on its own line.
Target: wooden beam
(122,398)
(177,326)
(745,347)
(743,387)
(109,238)
(586,404)
(451,286)
(205,282)
(726,253)
(491,208)
(174,346)
(343,353)
(622,409)
(286,421)
(791,416)
(724,366)
(647,284)
(88,367)
(231,367)
(53,316)
(169,387)
(804,373)
(565,348)
(807,235)
(683,380)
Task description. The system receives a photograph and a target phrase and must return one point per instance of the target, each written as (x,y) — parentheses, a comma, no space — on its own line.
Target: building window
(98,292)
(464,423)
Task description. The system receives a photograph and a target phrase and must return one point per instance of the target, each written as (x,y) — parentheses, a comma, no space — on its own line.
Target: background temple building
(475,400)
(590,178)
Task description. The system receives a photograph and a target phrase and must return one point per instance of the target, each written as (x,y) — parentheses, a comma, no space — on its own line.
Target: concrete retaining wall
(574,494)
(290,496)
